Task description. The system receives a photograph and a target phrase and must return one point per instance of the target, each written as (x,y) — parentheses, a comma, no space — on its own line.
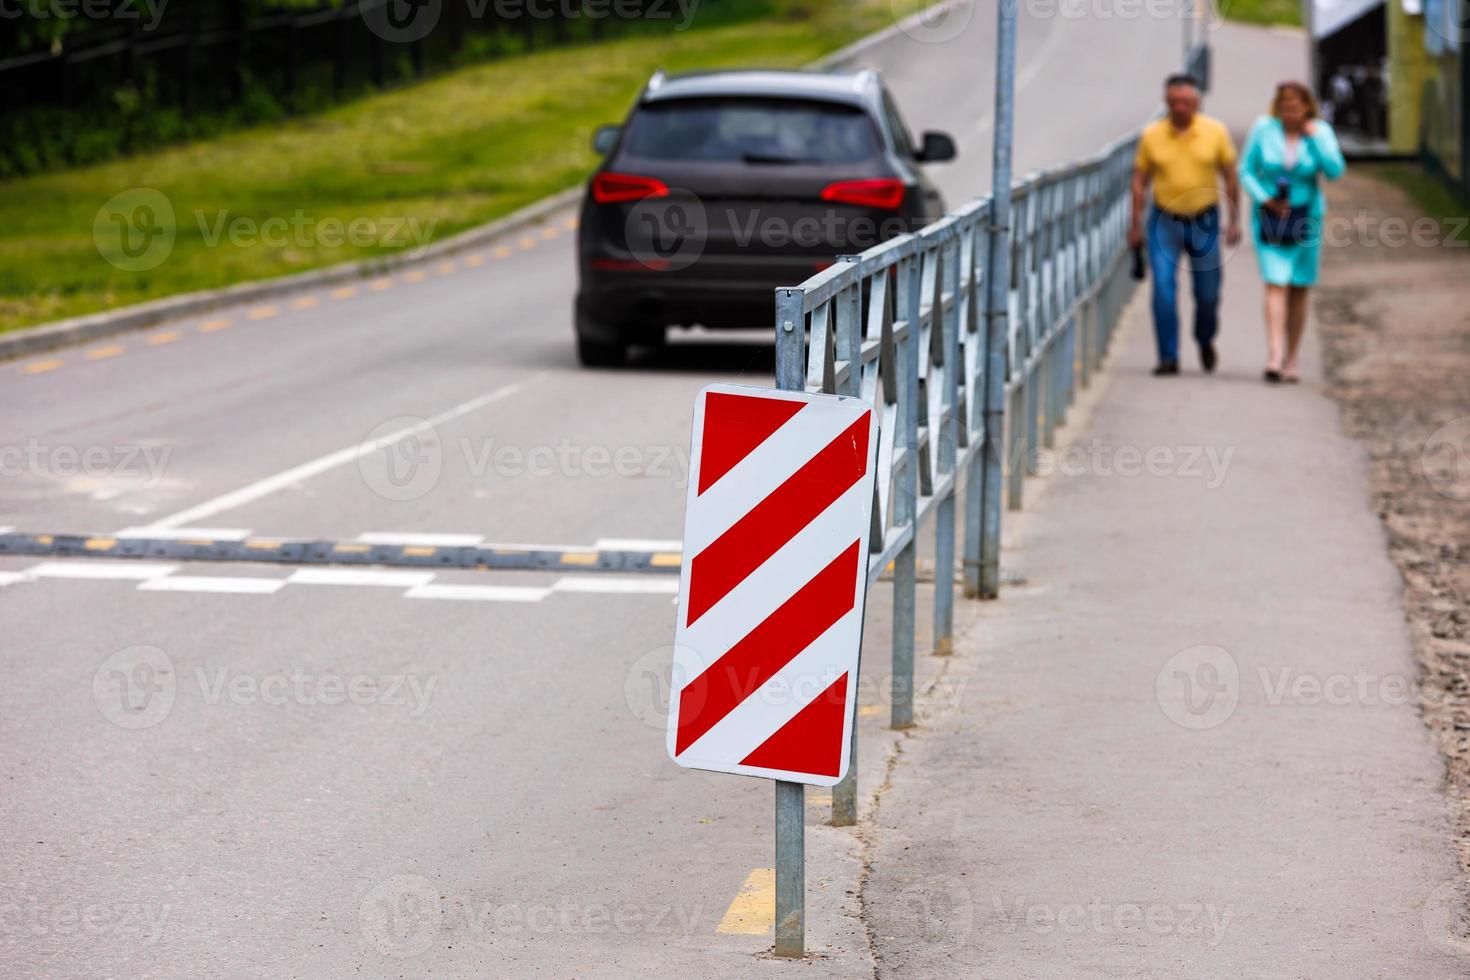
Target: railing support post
(909,281)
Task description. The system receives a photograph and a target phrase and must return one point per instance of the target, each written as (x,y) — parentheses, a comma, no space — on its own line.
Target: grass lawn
(1262,11)
(1432,196)
(457,150)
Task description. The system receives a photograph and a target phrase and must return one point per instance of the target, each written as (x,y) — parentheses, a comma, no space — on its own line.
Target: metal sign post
(790,869)
(768,638)
(790,797)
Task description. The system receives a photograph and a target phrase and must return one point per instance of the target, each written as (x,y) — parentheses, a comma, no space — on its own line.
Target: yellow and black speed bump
(298,552)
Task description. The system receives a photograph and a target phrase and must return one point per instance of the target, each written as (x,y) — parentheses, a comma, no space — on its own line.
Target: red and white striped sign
(771,592)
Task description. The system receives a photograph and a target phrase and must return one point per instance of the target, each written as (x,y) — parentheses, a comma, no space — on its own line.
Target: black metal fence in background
(1445,114)
(254,60)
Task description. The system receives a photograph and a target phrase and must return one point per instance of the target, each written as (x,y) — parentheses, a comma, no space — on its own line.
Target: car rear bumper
(721,293)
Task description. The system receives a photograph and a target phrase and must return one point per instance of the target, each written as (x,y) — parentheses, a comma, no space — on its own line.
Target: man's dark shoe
(1207,358)
(1166,368)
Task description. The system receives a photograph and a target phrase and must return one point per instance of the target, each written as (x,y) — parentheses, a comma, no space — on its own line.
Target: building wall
(1408,67)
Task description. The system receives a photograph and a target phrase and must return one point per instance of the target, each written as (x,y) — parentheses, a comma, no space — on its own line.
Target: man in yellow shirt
(1186,155)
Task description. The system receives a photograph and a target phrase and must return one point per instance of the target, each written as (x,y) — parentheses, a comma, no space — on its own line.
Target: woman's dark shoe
(1166,368)
(1208,358)
(1272,376)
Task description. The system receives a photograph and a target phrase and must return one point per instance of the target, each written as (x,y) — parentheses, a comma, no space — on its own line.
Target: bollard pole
(790,797)
(998,287)
(790,869)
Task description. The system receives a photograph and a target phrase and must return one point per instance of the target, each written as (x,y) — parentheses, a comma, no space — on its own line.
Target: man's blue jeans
(1199,238)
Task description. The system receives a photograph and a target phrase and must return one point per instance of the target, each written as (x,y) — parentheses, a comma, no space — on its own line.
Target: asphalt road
(322,757)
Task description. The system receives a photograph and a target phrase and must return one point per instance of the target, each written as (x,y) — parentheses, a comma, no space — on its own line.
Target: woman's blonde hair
(1300,90)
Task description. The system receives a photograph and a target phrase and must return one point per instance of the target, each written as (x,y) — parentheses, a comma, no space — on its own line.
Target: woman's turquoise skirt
(1289,265)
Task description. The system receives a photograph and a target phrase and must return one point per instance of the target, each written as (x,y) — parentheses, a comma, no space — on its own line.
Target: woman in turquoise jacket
(1284,155)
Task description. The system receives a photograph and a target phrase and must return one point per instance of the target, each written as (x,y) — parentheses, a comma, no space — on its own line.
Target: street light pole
(997,303)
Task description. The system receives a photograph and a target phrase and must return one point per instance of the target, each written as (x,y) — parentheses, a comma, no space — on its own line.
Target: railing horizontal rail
(903,325)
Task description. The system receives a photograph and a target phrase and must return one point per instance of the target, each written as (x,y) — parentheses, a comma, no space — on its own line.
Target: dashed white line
(359,576)
(122,570)
(205,583)
(478,593)
(155,577)
(618,586)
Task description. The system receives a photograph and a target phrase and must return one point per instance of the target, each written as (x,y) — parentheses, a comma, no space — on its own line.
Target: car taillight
(611,188)
(885,193)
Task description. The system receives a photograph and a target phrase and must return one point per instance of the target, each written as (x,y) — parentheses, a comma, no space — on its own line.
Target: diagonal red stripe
(810,743)
(793,505)
(767,648)
(733,426)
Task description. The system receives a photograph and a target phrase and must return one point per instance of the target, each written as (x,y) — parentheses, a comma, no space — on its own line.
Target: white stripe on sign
(764,591)
(478,593)
(758,475)
(128,571)
(357,576)
(348,454)
(207,583)
(759,716)
(772,583)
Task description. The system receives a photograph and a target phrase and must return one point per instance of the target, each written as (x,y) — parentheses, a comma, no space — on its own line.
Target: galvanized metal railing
(904,326)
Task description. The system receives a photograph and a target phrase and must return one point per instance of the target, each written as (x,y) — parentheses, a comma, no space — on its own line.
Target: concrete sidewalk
(1188,746)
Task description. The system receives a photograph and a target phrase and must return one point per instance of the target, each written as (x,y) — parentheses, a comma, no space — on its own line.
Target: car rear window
(752,131)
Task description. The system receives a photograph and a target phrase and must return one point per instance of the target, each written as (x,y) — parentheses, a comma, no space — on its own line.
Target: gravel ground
(1394,309)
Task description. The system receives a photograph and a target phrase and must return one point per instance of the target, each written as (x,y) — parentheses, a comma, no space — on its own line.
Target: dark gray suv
(721,186)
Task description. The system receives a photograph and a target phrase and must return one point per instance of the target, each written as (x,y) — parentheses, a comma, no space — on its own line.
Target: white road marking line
(202,583)
(612,586)
(122,570)
(359,576)
(481,593)
(348,454)
(186,533)
(424,540)
(638,544)
(10,578)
